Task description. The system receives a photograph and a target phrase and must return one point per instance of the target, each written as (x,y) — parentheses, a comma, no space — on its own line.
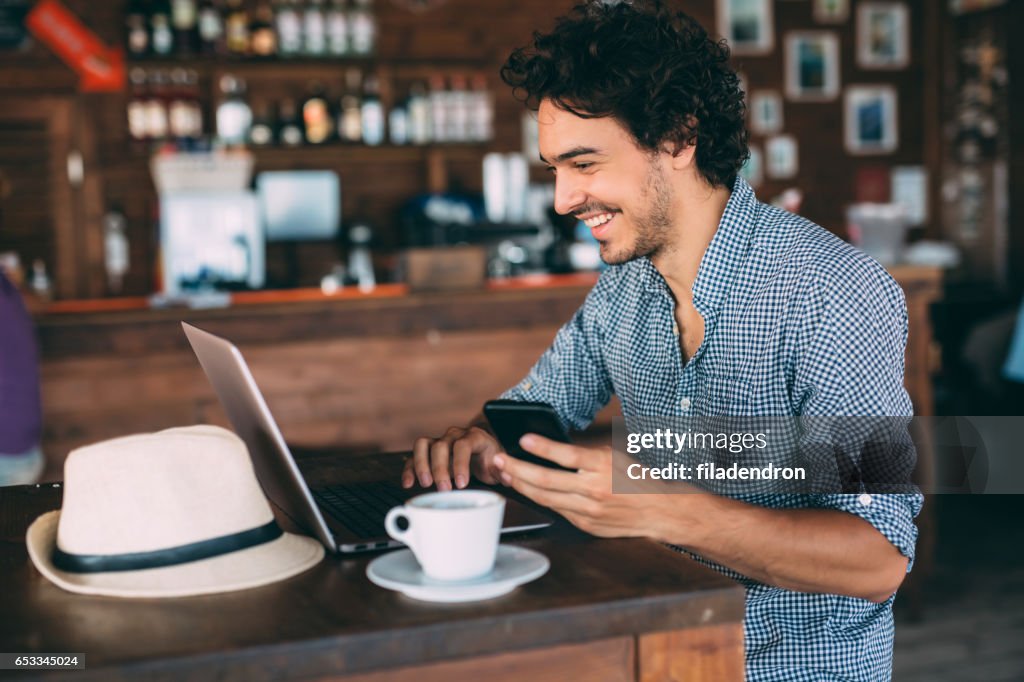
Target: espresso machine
(211,231)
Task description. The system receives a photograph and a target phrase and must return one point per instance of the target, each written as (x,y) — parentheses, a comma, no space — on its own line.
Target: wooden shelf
(340,154)
(306,295)
(325,68)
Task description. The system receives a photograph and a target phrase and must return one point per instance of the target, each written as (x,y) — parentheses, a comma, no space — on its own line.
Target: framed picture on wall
(747,25)
(883,35)
(812,66)
(765,112)
(831,11)
(871,119)
(752,170)
(781,159)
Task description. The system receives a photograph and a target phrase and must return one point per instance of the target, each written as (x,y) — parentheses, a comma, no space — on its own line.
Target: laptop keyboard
(361,507)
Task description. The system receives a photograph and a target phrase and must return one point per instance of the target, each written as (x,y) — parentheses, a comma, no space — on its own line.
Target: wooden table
(624,609)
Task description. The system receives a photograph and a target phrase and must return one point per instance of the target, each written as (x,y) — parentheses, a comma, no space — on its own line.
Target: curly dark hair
(653,69)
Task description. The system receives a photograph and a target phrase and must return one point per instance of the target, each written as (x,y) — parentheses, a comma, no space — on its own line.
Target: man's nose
(568,195)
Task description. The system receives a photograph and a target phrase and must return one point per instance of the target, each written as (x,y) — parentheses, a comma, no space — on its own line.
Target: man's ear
(682,153)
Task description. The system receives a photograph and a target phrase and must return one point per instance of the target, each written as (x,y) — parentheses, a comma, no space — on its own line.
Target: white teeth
(598,220)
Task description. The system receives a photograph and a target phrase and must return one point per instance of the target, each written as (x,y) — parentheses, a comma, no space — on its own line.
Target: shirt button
(675,329)
(864,499)
(685,403)
(527,385)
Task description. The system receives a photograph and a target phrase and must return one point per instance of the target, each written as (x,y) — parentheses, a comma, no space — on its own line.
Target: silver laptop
(347,517)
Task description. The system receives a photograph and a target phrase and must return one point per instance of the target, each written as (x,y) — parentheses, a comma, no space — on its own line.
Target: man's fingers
(438,460)
(421,460)
(462,453)
(561,502)
(560,453)
(440,451)
(513,469)
(408,473)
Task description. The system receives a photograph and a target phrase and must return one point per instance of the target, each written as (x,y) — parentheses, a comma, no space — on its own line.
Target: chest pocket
(724,395)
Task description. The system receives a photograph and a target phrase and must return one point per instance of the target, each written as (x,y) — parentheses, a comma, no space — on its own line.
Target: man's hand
(807,550)
(455,454)
(585,496)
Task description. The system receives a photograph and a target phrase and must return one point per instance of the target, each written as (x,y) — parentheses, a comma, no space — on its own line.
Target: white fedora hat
(167,514)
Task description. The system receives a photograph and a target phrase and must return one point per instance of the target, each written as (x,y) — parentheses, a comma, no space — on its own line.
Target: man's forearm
(807,550)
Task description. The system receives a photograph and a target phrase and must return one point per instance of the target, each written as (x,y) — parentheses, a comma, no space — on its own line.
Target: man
(718,305)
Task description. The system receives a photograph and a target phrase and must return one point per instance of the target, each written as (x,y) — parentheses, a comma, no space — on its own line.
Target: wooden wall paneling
(54,116)
(91,266)
(707,654)
(610,660)
(64,269)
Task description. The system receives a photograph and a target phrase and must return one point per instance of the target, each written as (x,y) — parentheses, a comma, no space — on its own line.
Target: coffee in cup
(453,534)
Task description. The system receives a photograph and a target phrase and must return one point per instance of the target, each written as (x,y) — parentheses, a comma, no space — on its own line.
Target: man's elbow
(888,577)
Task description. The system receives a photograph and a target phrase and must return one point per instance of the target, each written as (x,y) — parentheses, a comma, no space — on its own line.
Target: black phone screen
(511,420)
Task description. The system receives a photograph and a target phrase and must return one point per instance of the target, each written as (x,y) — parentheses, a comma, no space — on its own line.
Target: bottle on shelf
(439,109)
(262,36)
(314,29)
(481,109)
(262,132)
(288,23)
(179,110)
(115,249)
(337,29)
(161,39)
(184,16)
(290,133)
(234,117)
(398,123)
(195,106)
(138,123)
(457,101)
(372,112)
(156,106)
(316,116)
(420,125)
(360,259)
(40,281)
(350,115)
(363,28)
(211,27)
(236,28)
(136,29)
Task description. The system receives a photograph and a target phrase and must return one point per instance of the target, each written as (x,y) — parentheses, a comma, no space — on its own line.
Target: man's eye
(583,165)
(552,170)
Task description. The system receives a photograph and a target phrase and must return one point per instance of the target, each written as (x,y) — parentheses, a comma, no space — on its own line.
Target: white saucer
(513,566)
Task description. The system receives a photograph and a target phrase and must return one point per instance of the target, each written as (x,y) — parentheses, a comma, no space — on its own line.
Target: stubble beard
(653,229)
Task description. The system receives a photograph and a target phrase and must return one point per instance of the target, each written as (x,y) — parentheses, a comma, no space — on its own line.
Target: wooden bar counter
(624,609)
(362,371)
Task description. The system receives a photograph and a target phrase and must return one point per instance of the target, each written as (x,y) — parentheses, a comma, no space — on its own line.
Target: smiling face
(602,177)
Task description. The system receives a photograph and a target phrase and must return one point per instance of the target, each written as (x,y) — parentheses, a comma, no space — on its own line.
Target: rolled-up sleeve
(891,514)
(851,366)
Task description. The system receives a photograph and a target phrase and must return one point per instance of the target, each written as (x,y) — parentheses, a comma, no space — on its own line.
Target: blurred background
(346,189)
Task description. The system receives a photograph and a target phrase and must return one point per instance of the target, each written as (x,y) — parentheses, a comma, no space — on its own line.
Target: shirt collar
(725,254)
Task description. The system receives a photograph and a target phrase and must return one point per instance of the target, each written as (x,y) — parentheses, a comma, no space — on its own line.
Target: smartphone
(512,419)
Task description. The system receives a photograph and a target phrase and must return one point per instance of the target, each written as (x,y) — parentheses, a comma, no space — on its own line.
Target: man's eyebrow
(571,154)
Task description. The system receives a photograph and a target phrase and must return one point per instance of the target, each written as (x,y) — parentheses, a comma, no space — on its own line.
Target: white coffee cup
(454,534)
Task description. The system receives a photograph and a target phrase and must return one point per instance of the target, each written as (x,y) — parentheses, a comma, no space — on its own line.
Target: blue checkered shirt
(796,322)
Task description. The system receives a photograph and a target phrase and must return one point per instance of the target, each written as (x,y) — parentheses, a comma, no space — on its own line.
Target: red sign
(100,68)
